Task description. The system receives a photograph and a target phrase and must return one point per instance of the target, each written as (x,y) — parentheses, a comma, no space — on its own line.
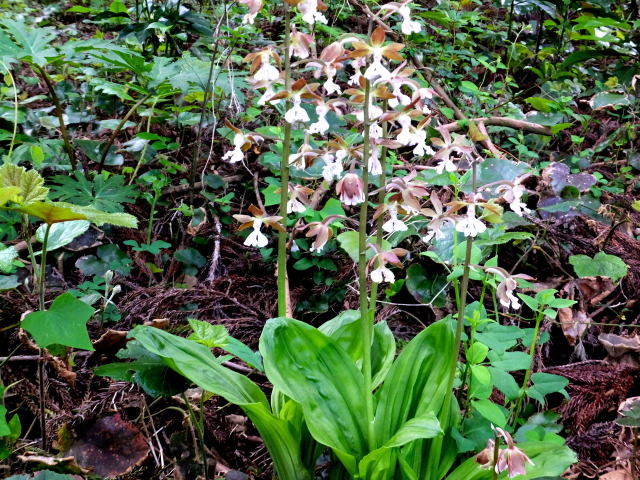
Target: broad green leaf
(505,382)
(490,411)
(197,363)
(499,337)
(50,213)
(100,218)
(315,371)
(30,183)
(61,234)
(424,426)
(610,100)
(510,361)
(147,370)
(349,243)
(5,431)
(416,381)
(8,282)
(383,352)
(426,288)
(545,383)
(7,256)
(602,264)
(35,43)
(65,323)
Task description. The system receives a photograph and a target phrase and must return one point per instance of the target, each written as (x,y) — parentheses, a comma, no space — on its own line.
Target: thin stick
(59,114)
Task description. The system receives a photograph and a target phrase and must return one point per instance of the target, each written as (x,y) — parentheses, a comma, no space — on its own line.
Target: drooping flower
(309,10)
(332,169)
(261,68)
(305,155)
(322,232)
(257,218)
(300,44)
(512,194)
(507,286)
(350,188)
(409,192)
(408,26)
(448,147)
(296,113)
(241,143)
(510,459)
(394,224)
(468,224)
(438,219)
(254,8)
(382,273)
(298,198)
(321,125)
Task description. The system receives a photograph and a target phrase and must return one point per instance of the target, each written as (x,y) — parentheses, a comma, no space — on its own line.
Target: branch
(502,122)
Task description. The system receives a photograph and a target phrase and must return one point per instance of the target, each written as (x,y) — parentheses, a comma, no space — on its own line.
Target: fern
(104,192)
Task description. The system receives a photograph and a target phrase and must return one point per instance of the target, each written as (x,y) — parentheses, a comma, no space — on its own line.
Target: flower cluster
(353,76)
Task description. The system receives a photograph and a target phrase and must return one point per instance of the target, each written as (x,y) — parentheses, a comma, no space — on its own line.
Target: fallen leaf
(110,446)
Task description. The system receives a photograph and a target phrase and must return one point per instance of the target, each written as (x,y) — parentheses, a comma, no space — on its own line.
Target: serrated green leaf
(65,323)
(99,217)
(30,183)
(35,44)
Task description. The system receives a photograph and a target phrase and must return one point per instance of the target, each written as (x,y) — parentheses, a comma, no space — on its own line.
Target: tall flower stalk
(283,284)
(367,323)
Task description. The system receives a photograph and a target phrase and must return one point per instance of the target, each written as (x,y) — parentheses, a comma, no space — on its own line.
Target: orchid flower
(512,193)
(394,224)
(261,68)
(300,44)
(448,147)
(350,188)
(507,286)
(438,219)
(309,10)
(382,273)
(298,198)
(254,8)
(408,26)
(409,192)
(377,51)
(241,143)
(511,459)
(469,225)
(322,232)
(257,218)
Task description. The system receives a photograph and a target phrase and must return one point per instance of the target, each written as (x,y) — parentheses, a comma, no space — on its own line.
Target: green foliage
(65,323)
(601,264)
(103,192)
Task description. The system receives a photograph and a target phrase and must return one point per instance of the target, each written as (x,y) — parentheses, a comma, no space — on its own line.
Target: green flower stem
(380,220)
(283,284)
(462,304)
(367,324)
(494,462)
(42,275)
(198,425)
(515,413)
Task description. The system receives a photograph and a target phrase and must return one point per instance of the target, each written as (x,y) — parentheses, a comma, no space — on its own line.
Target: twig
(213,266)
(502,122)
(256,189)
(59,113)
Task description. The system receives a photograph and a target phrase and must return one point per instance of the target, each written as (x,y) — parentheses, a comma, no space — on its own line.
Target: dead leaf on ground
(110,446)
(574,323)
(621,350)
(617,475)
(110,341)
(66,464)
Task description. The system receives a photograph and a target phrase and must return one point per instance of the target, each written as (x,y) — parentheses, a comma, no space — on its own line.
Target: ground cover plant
(297,240)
